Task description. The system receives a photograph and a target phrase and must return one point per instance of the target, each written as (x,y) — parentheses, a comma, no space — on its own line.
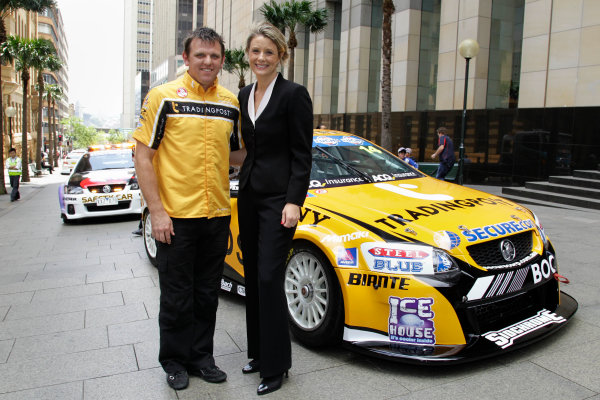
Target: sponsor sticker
(241,290)
(226,285)
(325,140)
(347,257)
(345,238)
(411,320)
(320,191)
(497,230)
(353,140)
(446,240)
(506,337)
(398,258)
(182,92)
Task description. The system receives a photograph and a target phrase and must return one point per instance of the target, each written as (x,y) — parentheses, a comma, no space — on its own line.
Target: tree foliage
(288,16)
(81,136)
(236,63)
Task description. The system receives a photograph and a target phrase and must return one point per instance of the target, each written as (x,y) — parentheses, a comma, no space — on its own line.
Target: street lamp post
(10,113)
(468,49)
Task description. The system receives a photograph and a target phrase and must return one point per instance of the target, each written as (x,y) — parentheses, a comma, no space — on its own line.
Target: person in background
(187,129)
(409,159)
(446,152)
(402,153)
(277,131)
(13,165)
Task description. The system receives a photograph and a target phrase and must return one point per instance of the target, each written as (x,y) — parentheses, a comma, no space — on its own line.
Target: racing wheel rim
(148,239)
(306,290)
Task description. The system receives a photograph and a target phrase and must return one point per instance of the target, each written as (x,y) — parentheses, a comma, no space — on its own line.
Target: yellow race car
(405,266)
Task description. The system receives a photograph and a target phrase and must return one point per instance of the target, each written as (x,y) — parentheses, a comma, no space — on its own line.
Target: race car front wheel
(149,242)
(315,305)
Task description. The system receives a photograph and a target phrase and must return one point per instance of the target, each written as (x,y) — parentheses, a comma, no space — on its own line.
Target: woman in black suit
(277,132)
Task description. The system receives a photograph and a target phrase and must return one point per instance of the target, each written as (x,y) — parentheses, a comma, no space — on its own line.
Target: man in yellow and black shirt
(188,127)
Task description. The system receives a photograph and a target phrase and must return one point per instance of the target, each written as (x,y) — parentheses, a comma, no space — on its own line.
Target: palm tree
(235,62)
(42,50)
(23,52)
(7,7)
(290,14)
(56,93)
(386,86)
(53,64)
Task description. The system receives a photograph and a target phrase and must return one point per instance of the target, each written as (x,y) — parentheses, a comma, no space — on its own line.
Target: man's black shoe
(210,374)
(137,232)
(178,380)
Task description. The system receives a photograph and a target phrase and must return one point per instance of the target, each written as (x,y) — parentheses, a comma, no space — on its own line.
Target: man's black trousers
(190,270)
(265,245)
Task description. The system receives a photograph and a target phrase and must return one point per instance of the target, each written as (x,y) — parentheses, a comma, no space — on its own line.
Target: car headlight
(133,183)
(73,190)
(442,262)
(540,228)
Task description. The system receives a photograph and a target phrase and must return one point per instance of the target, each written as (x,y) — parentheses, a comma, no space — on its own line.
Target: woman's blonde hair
(272,33)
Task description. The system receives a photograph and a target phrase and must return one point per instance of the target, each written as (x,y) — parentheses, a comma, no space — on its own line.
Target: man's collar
(196,86)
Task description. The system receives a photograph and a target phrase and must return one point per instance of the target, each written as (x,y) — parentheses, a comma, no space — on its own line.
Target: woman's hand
(290,215)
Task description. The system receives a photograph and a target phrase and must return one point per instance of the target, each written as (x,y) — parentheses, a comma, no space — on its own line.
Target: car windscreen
(339,164)
(98,161)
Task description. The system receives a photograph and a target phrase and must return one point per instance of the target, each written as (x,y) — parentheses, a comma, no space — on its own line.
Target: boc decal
(544,270)
(411,320)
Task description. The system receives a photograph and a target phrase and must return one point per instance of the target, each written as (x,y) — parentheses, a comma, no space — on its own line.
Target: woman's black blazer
(279,146)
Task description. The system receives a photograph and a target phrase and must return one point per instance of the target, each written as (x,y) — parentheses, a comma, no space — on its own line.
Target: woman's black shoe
(252,366)
(268,385)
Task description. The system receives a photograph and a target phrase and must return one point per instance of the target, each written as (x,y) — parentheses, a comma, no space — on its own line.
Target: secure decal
(398,258)
(506,337)
(496,230)
(411,320)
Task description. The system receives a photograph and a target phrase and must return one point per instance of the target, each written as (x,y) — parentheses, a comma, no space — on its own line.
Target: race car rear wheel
(315,305)
(149,242)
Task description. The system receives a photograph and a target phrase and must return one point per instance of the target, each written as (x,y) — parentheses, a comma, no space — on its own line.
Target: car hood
(424,210)
(102,177)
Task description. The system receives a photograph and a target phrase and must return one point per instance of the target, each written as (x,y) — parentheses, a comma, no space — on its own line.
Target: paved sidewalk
(78,320)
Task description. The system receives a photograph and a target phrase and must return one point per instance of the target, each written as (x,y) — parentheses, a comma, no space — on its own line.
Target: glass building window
(506,40)
(428,54)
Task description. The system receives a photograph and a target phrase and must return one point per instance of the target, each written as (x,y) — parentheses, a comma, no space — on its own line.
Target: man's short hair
(401,150)
(206,35)
(442,130)
(12,149)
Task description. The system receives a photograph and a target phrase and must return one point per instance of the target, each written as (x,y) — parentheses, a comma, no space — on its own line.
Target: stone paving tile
(152,307)
(586,295)
(128,284)
(22,267)
(137,295)
(147,354)
(3,311)
(133,332)
(5,349)
(148,384)
(64,368)
(115,315)
(39,284)
(60,306)
(93,255)
(10,277)
(64,293)
(144,269)
(36,326)
(60,264)
(574,363)
(128,260)
(66,391)
(505,383)
(590,315)
(104,252)
(32,347)
(15,298)
(104,276)
(58,274)
(223,344)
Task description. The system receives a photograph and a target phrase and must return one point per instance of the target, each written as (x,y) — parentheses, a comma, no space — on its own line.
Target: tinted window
(98,161)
